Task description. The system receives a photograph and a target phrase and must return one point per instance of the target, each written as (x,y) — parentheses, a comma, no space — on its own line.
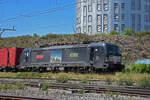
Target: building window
(89,5)
(78,3)
(123,16)
(99,19)
(147,27)
(133,21)
(147,18)
(84,29)
(79,30)
(122,27)
(84,1)
(99,28)
(116,27)
(139,23)
(105,18)
(90,8)
(147,8)
(105,27)
(84,20)
(78,20)
(116,11)
(99,23)
(84,11)
(105,23)
(139,4)
(99,5)
(123,5)
(106,3)
(89,29)
(90,18)
(133,4)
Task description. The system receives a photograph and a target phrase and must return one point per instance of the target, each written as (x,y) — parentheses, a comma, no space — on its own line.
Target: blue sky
(58,21)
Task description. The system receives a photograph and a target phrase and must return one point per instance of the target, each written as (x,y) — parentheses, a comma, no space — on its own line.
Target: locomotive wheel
(29,69)
(66,70)
(42,69)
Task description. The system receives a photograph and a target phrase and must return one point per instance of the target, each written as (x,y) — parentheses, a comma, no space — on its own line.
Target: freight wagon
(10,58)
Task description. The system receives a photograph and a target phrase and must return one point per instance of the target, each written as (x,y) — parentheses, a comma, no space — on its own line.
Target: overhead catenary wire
(41,12)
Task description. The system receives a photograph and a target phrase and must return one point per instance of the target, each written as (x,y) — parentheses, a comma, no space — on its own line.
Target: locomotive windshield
(113,50)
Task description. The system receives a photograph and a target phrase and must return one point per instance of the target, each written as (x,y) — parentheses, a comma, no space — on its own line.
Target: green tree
(129,32)
(114,32)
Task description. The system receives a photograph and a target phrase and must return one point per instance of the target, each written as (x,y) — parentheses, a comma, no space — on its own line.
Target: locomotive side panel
(56,56)
(40,56)
(76,55)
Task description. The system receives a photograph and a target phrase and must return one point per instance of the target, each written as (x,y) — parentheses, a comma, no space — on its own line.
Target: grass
(113,77)
(62,79)
(125,79)
(132,76)
(138,68)
(144,83)
(11,86)
(45,87)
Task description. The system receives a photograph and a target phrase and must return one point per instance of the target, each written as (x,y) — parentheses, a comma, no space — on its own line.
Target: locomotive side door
(98,57)
(25,58)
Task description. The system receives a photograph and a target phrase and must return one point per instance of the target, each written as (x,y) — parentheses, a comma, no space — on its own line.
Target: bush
(62,79)
(138,68)
(81,91)
(84,81)
(125,82)
(45,87)
(143,33)
(129,32)
(114,32)
(108,81)
(144,83)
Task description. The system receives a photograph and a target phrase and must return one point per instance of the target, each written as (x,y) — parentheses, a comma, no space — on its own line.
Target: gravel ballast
(66,95)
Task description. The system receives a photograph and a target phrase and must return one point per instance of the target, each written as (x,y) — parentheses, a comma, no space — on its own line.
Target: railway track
(123,90)
(95,80)
(6,97)
(131,91)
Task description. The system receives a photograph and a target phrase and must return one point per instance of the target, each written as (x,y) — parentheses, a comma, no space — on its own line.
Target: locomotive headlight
(111,57)
(106,59)
(119,59)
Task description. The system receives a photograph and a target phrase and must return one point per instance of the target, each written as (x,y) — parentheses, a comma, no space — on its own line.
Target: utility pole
(6,29)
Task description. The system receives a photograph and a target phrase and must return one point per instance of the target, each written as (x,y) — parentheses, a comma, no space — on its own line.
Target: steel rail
(53,79)
(143,92)
(8,97)
(49,78)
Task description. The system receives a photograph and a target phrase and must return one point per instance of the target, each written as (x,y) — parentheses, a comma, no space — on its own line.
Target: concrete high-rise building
(102,16)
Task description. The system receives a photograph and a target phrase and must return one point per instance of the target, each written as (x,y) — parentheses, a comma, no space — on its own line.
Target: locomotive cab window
(113,50)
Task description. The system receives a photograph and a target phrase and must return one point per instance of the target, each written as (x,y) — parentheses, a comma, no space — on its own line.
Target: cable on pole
(6,29)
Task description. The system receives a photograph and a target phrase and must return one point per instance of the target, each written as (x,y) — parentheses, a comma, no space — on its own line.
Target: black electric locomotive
(98,55)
